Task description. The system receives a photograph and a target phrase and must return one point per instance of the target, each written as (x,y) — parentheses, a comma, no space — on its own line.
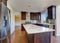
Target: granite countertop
(33,29)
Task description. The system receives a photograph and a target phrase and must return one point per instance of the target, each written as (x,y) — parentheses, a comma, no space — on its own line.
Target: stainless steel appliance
(4,22)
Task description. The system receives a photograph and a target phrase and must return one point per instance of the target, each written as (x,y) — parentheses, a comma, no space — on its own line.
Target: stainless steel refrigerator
(4,23)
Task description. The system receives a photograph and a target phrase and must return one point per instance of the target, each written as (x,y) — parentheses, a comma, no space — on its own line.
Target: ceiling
(31,5)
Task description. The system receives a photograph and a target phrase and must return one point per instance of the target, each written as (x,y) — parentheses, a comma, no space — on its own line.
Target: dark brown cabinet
(23,15)
(0,0)
(35,15)
(39,38)
(22,28)
(4,1)
(52,12)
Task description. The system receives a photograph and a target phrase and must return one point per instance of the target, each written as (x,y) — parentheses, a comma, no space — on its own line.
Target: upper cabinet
(4,1)
(35,15)
(52,12)
(0,0)
(23,15)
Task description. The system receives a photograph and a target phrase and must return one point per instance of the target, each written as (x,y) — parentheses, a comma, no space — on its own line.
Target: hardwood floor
(18,36)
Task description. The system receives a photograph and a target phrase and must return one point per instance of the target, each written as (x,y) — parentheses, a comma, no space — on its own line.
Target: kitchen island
(38,34)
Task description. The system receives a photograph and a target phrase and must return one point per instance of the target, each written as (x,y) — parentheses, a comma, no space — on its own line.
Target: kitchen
(37,19)
(33,21)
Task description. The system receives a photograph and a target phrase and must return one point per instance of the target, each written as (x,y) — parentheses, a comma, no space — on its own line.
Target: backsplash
(51,21)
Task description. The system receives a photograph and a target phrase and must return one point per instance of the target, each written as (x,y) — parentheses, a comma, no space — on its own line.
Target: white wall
(58,20)
(12,22)
(12,19)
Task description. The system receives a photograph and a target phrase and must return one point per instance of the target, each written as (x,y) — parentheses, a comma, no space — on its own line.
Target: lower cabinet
(30,38)
(39,38)
(22,28)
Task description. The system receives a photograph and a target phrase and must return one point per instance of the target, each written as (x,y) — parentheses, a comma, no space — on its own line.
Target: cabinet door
(51,12)
(23,15)
(0,0)
(34,16)
(42,38)
(4,1)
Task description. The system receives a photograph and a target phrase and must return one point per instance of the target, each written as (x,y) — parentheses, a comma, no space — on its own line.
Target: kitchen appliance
(4,22)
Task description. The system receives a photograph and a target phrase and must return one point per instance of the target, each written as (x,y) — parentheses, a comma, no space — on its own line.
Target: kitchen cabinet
(35,16)
(4,1)
(0,0)
(39,37)
(52,12)
(23,15)
(54,33)
(22,28)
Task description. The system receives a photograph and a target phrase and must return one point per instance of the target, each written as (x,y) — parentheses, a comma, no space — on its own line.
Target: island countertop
(33,29)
